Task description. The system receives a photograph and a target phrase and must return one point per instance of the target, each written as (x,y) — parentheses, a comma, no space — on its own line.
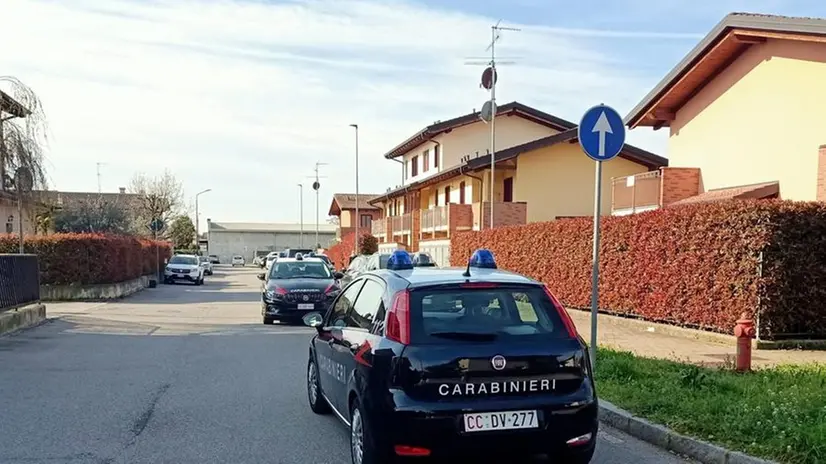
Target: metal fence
(19,281)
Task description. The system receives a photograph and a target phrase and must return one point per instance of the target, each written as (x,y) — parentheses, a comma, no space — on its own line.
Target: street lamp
(198,220)
(358,217)
(301,214)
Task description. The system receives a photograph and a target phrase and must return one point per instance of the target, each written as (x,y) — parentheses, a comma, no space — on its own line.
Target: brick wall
(504,214)
(460,217)
(416,229)
(678,183)
(821,174)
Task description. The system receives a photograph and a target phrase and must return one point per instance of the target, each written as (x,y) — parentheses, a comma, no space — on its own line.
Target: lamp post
(301,214)
(358,217)
(198,220)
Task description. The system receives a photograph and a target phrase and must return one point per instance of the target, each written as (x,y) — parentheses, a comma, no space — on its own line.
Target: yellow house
(744,110)
(541,174)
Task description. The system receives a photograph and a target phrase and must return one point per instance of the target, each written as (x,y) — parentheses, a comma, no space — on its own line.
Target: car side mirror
(314,320)
(261,276)
(338,275)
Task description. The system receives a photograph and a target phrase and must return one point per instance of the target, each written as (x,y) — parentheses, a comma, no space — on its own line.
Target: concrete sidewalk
(651,340)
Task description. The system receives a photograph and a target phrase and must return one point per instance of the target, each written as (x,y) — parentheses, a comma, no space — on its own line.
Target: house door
(508,190)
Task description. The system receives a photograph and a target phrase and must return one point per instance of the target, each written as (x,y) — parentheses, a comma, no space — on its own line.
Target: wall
(225,244)
(345,220)
(351,226)
(760,120)
(467,140)
(559,181)
(8,207)
(439,250)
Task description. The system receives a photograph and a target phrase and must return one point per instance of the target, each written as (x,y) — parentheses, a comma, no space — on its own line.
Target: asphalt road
(179,374)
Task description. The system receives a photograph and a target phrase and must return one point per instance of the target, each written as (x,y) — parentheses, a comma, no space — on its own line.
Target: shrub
(340,253)
(695,265)
(89,258)
(368,245)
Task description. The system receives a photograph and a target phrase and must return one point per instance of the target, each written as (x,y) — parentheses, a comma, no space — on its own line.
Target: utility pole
(489,78)
(198,220)
(301,214)
(98,173)
(358,217)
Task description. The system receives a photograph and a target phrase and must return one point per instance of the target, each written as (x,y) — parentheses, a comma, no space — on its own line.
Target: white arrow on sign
(603,127)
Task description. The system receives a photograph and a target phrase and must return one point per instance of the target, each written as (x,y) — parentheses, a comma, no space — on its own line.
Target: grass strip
(775,413)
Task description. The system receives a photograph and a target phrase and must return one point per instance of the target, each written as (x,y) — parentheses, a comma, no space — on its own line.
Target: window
(462,193)
(366,221)
(447,194)
(340,311)
(425,161)
(366,306)
(414,166)
(482,315)
(508,190)
(436,156)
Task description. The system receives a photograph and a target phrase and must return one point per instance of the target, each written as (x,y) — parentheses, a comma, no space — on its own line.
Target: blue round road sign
(601,133)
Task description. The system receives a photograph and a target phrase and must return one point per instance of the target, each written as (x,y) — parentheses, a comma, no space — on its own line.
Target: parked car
(292,252)
(213,259)
(238,260)
(423,259)
(185,268)
(206,264)
(258,261)
(270,258)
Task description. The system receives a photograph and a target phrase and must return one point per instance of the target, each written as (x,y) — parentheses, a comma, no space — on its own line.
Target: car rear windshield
(183,260)
(483,314)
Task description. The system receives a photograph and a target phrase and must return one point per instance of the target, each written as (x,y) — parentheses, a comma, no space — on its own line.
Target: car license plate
(509,420)
(306,306)
(179,276)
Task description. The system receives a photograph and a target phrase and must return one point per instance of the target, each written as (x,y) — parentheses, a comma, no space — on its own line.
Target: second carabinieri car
(294,287)
(461,363)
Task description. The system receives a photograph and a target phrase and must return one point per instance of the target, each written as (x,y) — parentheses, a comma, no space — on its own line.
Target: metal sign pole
(595,258)
(20,219)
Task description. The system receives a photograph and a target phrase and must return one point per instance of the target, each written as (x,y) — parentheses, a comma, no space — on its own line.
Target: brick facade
(504,214)
(821,174)
(678,184)
(460,217)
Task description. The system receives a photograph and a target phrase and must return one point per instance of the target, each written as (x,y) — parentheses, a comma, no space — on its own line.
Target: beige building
(10,218)
(744,111)
(541,174)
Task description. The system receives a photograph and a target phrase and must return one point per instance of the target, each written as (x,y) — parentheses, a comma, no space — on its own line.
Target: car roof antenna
(467,271)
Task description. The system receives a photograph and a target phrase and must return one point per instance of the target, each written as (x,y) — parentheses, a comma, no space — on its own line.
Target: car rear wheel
(363,447)
(317,402)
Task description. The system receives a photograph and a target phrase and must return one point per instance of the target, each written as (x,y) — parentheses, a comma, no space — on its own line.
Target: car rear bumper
(443,434)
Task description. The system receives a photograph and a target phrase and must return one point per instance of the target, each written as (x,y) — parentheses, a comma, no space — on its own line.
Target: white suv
(185,268)
(238,260)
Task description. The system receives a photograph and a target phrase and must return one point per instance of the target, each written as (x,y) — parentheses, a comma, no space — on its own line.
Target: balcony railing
(447,218)
(402,225)
(630,193)
(379,227)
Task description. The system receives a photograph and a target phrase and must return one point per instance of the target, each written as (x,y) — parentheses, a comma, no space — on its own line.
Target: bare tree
(159,197)
(23,133)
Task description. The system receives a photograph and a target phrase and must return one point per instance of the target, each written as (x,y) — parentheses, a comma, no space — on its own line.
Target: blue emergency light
(482,259)
(399,261)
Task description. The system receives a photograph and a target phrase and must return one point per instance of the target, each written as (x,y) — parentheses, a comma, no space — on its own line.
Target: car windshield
(300,270)
(203,259)
(190,260)
(484,314)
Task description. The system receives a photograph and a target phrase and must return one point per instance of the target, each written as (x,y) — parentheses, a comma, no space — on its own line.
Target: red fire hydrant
(744,331)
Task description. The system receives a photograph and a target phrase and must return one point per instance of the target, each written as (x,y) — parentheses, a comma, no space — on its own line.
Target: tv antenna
(98,172)
(488,112)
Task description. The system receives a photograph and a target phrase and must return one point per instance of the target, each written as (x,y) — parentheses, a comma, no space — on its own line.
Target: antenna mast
(98,172)
(488,113)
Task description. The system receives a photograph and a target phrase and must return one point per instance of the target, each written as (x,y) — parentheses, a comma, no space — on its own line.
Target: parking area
(178,374)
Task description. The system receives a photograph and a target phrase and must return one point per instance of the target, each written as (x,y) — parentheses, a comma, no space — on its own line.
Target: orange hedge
(694,265)
(340,253)
(89,258)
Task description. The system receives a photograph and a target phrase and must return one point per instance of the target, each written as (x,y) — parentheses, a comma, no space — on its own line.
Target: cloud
(245,96)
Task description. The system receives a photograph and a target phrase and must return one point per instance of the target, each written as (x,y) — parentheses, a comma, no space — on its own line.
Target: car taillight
(398,318)
(563,314)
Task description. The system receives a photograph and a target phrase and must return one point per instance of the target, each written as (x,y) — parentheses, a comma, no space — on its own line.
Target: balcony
(633,194)
(441,221)
(504,214)
(401,225)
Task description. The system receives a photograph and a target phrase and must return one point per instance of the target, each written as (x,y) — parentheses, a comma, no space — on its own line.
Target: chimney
(122,189)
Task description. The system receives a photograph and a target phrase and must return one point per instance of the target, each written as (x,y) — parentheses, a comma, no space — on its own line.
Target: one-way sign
(601,133)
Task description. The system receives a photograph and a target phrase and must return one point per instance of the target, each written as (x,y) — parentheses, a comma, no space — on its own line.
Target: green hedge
(695,265)
(90,258)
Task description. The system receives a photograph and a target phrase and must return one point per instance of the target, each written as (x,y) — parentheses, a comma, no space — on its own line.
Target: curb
(22,318)
(665,438)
